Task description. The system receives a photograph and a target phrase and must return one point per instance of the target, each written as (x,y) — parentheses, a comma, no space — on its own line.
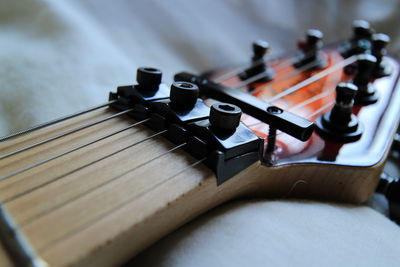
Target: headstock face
(379,120)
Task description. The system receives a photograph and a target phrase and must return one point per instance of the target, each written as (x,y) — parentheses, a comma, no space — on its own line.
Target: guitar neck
(103,203)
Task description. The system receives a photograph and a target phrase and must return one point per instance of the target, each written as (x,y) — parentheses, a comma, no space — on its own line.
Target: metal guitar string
(263,74)
(23,223)
(308,81)
(121,205)
(52,122)
(63,134)
(284,93)
(38,163)
(82,167)
(313,79)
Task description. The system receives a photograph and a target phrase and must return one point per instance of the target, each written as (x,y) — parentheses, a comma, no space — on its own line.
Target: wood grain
(103,213)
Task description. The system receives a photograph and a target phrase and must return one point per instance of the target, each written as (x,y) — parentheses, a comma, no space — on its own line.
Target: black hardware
(340,123)
(361,40)
(390,187)
(215,134)
(366,93)
(310,51)
(284,121)
(259,66)
(379,43)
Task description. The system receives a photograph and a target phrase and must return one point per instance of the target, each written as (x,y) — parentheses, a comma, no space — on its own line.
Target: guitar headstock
(307,85)
(316,124)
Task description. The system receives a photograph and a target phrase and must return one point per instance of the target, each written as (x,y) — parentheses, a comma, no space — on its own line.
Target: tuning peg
(259,66)
(340,123)
(361,30)
(225,117)
(310,51)
(367,93)
(379,43)
(260,49)
(148,79)
(183,95)
(360,42)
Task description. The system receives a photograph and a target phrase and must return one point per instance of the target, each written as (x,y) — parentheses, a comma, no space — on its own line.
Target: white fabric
(57,57)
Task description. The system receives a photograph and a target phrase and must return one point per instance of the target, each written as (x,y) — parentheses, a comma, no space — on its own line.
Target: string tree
(259,70)
(340,124)
(310,53)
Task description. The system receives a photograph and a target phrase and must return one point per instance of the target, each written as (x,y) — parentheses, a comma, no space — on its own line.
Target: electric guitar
(96,187)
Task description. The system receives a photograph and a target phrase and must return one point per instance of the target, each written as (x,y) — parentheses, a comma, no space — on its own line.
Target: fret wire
(36,164)
(19,150)
(52,122)
(106,182)
(313,79)
(121,205)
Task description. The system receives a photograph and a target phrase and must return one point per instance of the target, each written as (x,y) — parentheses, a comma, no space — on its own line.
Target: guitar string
(23,223)
(262,75)
(19,150)
(52,122)
(121,205)
(290,90)
(38,163)
(192,165)
(271,61)
(80,168)
(313,78)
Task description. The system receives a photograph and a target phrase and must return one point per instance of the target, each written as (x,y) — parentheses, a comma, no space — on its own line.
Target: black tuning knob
(367,93)
(259,66)
(148,79)
(361,30)
(390,187)
(310,51)
(360,42)
(379,43)
(225,117)
(183,95)
(340,123)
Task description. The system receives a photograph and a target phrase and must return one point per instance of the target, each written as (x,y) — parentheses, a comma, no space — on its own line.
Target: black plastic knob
(184,95)
(148,79)
(361,30)
(225,117)
(311,55)
(367,93)
(260,49)
(258,65)
(340,123)
(379,43)
(314,37)
(342,111)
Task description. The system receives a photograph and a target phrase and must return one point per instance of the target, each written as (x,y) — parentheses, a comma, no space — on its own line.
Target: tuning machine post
(259,67)
(340,124)
(360,42)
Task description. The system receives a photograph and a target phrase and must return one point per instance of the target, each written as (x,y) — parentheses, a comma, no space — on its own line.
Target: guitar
(96,187)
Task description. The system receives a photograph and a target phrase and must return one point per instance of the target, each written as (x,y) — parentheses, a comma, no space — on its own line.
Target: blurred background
(58,57)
